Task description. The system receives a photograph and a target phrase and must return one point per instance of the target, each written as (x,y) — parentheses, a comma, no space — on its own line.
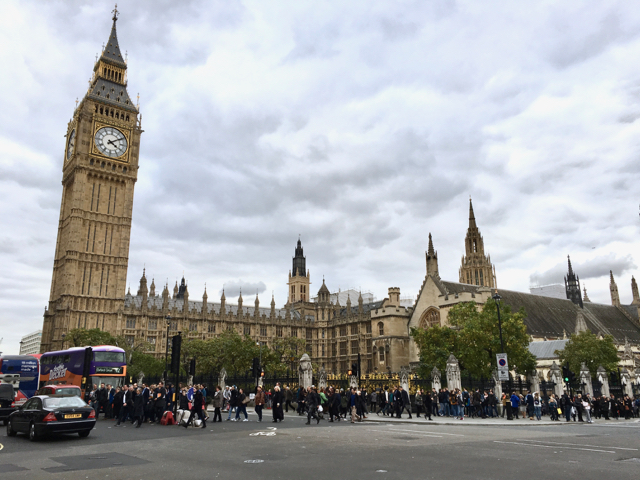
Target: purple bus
(84,366)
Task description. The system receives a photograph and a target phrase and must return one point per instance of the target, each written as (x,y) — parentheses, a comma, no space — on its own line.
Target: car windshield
(68,391)
(62,402)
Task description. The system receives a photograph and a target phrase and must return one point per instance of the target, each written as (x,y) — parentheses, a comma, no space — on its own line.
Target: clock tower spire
(99,172)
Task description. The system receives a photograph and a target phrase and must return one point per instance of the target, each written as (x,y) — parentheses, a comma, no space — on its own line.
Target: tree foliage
(587,348)
(473,337)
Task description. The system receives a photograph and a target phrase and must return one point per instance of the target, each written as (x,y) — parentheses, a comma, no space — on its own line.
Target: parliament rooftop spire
(476,268)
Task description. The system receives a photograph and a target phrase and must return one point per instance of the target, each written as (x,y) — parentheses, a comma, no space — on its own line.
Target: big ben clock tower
(99,172)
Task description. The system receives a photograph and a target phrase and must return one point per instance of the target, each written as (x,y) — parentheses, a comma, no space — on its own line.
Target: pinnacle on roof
(431,252)
(569,262)
(111,51)
(472,218)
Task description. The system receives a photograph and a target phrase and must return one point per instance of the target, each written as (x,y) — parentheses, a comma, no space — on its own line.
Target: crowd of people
(143,403)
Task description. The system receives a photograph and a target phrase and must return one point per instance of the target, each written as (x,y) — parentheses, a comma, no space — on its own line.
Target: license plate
(75,415)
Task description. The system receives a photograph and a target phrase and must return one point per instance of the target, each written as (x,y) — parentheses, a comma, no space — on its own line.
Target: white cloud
(360,125)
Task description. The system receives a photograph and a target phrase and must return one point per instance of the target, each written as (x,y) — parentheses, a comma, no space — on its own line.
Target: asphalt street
(291,449)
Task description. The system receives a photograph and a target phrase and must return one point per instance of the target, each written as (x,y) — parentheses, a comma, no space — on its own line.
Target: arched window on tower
(475,246)
(430,318)
(481,279)
(381,328)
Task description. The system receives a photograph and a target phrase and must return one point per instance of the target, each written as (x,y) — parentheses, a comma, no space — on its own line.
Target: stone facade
(99,172)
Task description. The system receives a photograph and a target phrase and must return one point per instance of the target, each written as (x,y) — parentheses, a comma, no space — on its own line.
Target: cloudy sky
(361,126)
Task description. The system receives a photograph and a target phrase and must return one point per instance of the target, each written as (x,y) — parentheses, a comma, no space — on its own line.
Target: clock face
(111,142)
(71,143)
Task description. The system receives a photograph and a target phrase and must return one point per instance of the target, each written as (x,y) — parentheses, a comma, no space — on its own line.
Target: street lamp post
(497,299)
(166,353)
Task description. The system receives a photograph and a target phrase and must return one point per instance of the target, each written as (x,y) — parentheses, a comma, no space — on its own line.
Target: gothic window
(193,327)
(131,322)
(354,347)
(343,348)
(151,340)
(309,334)
(477,278)
(354,329)
(212,328)
(368,327)
(430,318)
(174,326)
(247,329)
(475,246)
(294,332)
(343,331)
(153,324)
(263,330)
(323,349)
(334,350)
(278,331)
(381,329)
(381,354)
(481,279)
(130,339)
(369,365)
(369,343)
(309,350)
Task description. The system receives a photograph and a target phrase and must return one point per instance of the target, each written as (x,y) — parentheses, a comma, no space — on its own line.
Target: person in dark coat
(276,404)
(117,402)
(103,398)
(138,408)
(196,408)
(125,404)
(406,401)
(160,396)
(313,400)
(428,404)
(334,405)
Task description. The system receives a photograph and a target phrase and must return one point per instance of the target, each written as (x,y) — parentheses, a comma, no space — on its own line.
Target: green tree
(587,348)
(81,337)
(473,337)
(277,359)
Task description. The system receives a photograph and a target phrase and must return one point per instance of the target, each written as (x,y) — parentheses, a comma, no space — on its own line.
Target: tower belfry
(299,279)
(476,268)
(572,286)
(99,172)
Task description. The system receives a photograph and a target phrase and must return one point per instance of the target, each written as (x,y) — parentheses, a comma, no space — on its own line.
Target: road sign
(502,360)
(503,375)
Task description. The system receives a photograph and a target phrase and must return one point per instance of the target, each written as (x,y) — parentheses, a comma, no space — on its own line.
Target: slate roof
(545,350)
(552,317)
(117,94)
(135,301)
(112,51)
(366,308)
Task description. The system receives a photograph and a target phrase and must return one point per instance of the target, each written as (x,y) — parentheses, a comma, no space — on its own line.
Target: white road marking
(553,446)
(579,445)
(423,431)
(387,431)
(272,433)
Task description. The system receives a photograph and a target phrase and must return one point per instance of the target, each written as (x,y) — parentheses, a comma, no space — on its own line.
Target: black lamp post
(166,353)
(497,299)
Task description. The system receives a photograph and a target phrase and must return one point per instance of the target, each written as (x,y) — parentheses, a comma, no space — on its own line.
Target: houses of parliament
(99,173)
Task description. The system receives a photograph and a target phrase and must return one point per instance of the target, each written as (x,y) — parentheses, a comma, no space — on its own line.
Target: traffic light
(176,342)
(565,373)
(192,367)
(255,368)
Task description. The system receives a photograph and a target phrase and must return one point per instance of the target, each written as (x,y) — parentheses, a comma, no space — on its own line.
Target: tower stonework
(476,267)
(99,172)
(572,286)
(613,288)
(299,280)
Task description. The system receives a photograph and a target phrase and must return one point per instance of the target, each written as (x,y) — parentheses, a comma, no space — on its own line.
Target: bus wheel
(33,436)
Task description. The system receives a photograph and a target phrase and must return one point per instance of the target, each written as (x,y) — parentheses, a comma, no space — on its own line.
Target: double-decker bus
(84,366)
(22,372)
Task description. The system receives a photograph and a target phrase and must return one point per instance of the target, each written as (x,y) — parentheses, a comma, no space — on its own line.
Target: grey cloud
(593,268)
(233,288)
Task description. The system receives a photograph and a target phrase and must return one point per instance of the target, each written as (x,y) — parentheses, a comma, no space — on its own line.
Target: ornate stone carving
(305,372)
(404,378)
(322,380)
(556,377)
(436,381)
(453,373)
(585,380)
(603,378)
(222,377)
